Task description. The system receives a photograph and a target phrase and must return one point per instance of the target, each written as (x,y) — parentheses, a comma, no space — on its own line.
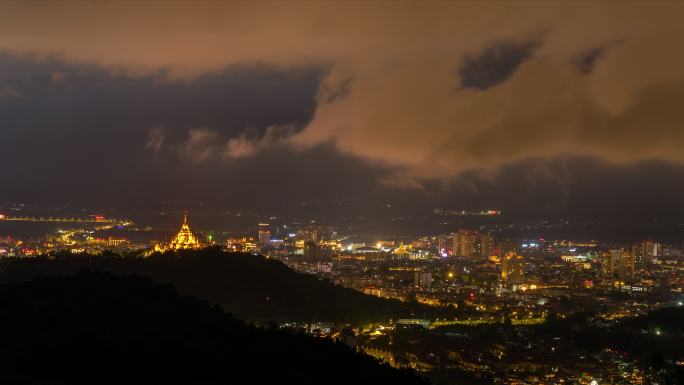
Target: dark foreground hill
(250,287)
(659,332)
(99,328)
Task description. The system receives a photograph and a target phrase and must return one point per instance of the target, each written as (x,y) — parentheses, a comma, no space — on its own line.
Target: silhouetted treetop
(99,328)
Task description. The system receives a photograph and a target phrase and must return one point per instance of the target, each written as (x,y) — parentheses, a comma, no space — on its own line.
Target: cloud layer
(427,90)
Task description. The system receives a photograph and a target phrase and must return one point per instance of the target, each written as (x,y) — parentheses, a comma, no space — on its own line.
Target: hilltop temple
(185,239)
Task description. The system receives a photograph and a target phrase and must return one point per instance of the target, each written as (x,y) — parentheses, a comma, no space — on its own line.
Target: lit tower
(512,268)
(185,239)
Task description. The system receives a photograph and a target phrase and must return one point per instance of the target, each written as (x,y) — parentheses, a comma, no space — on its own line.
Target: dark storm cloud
(54,95)
(587,60)
(495,63)
(93,109)
(86,135)
(87,127)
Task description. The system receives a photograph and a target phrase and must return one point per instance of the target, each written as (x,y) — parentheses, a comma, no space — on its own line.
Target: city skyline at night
(329,192)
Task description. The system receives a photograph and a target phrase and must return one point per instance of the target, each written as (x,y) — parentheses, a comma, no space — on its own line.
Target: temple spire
(185,239)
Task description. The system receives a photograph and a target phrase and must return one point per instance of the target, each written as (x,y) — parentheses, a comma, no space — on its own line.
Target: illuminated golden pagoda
(185,239)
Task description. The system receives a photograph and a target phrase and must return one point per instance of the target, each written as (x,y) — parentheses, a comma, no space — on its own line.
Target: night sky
(539,109)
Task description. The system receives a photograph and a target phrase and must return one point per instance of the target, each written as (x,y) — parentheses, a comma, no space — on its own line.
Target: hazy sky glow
(451,102)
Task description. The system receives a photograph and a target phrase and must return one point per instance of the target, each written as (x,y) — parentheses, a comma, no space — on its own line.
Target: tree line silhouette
(250,287)
(100,328)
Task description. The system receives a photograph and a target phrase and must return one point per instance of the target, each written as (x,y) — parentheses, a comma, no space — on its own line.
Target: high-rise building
(309,234)
(444,245)
(638,254)
(626,270)
(505,247)
(423,279)
(264,233)
(609,262)
(454,245)
(311,251)
(645,252)
(618,263)
(485,244)
(512,268)
(465,243)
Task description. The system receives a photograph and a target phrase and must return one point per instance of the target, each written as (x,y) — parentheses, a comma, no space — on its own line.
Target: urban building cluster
(484,281)
(490,283)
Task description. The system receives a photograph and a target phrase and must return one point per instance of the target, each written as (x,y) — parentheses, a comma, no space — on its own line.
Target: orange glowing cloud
(431,89)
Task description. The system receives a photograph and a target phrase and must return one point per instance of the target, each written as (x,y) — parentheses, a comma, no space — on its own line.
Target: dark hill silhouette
(99,328)
(250,287)
(660,331)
